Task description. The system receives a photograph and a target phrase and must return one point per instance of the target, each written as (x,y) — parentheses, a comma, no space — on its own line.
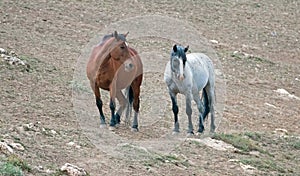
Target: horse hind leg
(175,112)
(136,104)
(129,98)
(123,102)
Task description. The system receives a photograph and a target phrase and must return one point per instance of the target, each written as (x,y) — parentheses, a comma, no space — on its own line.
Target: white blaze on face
(181,77)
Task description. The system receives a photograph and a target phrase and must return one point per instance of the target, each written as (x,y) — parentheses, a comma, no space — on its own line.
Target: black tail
(206,104)
(130,95)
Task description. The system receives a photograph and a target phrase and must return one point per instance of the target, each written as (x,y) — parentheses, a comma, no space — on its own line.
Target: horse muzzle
(128,66)
(181,77)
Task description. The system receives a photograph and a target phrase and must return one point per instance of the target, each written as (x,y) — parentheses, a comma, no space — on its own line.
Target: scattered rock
(2,51)
(213,143)
(214,41)
(281,131)
(5,148)
(73,170)
(286,93)
(268,104)
(247,168)
(71,144)
(17,146)
(12,58)
(254,153)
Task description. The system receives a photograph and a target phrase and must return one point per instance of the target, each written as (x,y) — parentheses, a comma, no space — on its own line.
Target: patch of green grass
(238,141)
(8,169)
(295,144)
(263,164)
(16,161)
(254,136)
(31,63)
(241,56)
(158,159)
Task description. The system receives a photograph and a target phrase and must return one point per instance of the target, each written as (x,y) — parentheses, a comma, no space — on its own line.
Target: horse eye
(122,47)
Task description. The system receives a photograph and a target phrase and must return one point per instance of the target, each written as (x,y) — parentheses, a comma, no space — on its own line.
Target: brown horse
(114,66)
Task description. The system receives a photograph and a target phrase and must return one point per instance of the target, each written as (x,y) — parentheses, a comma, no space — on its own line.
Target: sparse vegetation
(18,162)
(239,141)
(263,164)
(8,169)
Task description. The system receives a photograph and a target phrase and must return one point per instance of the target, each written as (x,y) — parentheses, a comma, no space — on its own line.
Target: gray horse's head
(178,60)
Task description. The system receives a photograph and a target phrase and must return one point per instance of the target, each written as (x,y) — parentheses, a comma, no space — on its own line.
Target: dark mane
(108,36)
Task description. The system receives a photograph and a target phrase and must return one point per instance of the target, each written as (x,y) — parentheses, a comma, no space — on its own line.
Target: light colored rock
(214,41)
(281,131)
(247,168)
(73,170)
(286,93)
(2,51)
(53,132)
(270,105)
(71,144)
(17,146)
(5,148)
(213,143)
(254,153)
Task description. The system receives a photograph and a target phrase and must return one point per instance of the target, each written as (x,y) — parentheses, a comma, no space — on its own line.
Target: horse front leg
(175,111)
(201,111)
(188,99)
(99,104)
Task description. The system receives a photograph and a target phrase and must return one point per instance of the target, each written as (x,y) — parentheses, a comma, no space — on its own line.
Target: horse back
(201,67)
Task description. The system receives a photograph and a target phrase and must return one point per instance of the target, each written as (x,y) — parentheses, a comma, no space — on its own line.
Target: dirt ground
(258,49)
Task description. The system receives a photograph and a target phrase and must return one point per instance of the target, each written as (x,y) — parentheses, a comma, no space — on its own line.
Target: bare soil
(51,35)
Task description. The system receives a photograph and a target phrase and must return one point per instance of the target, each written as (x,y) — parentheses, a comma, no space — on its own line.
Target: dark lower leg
(136,107)
(99,105)
(175,112)
(201,126)
(112,106)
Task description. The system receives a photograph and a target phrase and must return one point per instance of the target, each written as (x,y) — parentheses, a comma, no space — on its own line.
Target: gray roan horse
(188,74)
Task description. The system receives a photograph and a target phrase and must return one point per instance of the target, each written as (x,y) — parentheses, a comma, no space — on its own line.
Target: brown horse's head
(120,50)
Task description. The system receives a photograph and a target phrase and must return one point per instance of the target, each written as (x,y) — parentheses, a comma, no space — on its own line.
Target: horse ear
(115,34)
(186,49)
(125,35)
(175,48)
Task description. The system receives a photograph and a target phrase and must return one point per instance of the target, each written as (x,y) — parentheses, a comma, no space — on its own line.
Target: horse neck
(103,55)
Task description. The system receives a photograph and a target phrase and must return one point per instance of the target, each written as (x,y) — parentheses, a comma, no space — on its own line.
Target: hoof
(212,132)
(190,134)
(102,125)
(112,128)
(175,132)
(134,129)
(199,134)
